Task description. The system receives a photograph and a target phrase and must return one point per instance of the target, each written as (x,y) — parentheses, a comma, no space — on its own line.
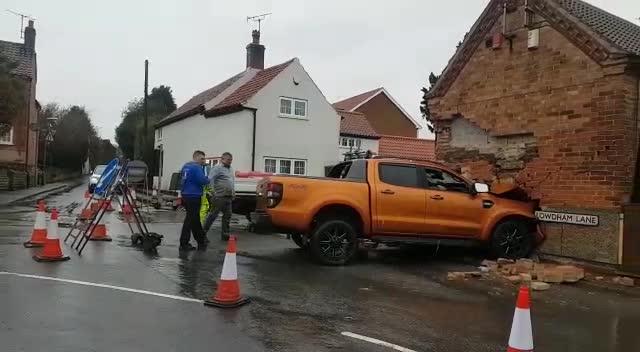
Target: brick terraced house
(544,94)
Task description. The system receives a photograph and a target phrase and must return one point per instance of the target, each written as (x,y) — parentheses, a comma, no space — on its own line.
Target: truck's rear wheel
(334,242)
(511,239)
(300,240)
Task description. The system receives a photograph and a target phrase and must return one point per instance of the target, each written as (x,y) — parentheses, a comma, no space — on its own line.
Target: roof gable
(353,103)
(349,104)
(356,124)
(249,89)
(17,53)
(591,29)
(232,101)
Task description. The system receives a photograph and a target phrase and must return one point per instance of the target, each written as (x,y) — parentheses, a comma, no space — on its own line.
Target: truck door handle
(437,197)
(388,191)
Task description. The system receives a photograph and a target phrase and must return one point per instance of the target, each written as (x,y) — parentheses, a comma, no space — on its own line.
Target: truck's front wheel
(511,239)
(334,242)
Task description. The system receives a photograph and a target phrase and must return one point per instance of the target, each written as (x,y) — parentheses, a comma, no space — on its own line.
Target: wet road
(396,295)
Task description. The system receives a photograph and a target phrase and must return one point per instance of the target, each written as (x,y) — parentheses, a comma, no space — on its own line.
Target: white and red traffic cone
(51,252)
(227,294)
(39,232)
(521,337)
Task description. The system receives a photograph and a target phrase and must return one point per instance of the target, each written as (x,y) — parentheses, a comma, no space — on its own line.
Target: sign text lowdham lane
(568,218)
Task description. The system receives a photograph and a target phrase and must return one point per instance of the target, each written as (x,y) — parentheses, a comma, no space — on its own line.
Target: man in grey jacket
(222,180)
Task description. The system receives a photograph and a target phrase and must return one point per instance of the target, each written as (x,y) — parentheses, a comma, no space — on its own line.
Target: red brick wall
(385,117)
(581,116)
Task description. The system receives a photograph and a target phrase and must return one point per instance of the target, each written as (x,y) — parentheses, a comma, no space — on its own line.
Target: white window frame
(357,142)
(293,114)
(292,168)
(275,167)
(8,141)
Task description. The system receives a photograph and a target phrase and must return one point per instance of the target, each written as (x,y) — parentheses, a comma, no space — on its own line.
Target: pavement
(116,298)
(10,197)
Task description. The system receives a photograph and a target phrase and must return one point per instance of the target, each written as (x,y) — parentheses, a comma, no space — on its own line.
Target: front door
(400,200)
(452,210)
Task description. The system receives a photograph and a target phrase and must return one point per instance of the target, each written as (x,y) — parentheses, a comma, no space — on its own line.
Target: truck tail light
(274,194)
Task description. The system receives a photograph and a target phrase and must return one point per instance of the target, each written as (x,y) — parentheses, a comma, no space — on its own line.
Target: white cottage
(273,120)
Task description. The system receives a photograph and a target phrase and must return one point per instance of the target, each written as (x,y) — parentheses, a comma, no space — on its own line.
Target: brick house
(19,145)
(544,94)
(384,113)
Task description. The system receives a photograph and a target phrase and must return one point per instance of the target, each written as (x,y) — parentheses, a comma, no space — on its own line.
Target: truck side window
(444,181)
(399,175)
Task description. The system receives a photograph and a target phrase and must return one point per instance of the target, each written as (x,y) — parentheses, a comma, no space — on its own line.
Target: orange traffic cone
(521,337)
(109,206)
(100,233)
(86,214)
(51,252)
(39,233)
(95,206)
(228,292)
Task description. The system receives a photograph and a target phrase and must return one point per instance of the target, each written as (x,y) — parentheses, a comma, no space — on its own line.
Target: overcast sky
(92,53)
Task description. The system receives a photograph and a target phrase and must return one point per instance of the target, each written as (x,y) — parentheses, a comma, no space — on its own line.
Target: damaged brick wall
(551,120)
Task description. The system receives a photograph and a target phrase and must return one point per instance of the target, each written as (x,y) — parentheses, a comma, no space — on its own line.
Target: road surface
(116,298)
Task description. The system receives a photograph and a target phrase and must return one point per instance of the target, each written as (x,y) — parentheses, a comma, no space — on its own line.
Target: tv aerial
(258,18)
(22,18)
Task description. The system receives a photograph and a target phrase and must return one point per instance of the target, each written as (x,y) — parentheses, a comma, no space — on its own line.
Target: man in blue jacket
(193,181)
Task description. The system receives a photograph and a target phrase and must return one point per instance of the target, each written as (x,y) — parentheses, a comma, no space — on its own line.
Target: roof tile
(236,98)
(618,31)
(407,148)
(17,53)
(350,103)
(249,89)
(356,124)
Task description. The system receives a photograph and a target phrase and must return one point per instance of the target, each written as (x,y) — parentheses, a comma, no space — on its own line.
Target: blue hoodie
(193,179)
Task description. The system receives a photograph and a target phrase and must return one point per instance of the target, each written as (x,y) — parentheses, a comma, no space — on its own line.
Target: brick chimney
(30,37)
(255,52)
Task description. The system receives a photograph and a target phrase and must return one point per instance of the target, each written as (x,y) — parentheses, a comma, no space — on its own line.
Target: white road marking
(377,342)
(94,284)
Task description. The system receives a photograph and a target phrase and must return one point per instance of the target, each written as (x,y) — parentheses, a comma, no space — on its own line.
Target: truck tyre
(511,239)
(300,240)
(334,242)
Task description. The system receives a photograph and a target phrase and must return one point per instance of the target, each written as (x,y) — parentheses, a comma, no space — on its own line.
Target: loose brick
(570,273)
(624,281)
(540,286)
(551,275)
(514,279)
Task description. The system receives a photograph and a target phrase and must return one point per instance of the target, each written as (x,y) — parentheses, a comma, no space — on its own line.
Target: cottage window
(347,142)
(293,108)
(270,165)
(6,136)
(285,166)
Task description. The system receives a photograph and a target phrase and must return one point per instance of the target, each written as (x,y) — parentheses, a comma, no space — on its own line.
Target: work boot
(187,247)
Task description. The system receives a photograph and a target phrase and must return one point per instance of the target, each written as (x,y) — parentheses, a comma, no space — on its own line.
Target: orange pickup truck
(392,202)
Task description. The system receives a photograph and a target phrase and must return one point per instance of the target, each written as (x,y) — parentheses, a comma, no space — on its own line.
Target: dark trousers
(220,204)
(192,222)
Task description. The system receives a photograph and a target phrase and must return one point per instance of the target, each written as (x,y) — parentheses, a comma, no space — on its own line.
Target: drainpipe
(26,159)
(253,142)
